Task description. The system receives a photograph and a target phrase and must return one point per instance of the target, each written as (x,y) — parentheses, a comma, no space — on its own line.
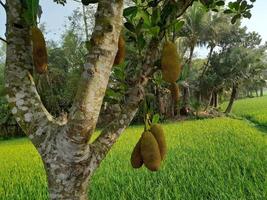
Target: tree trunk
(206,65)
(216,100)
(257,94)
(261,91)
(68,159)
(209,100)
(232,99)
(67,180)
(212,100)
(186,94)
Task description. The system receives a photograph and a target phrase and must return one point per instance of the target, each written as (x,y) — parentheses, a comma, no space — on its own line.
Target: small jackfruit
(150,151)
(39,50)
(158,133)
(174,88)
(136,157)
(170,63)
(120,56)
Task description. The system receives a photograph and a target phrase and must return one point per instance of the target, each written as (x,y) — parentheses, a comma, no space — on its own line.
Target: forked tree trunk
(232,98)
(68,159)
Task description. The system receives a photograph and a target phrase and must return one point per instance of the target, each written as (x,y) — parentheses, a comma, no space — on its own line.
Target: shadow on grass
(250,120)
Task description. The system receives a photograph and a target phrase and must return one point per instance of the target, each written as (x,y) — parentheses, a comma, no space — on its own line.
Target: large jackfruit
(136,157)
(39,50)
(174,88)
(150,151)
(120,56)
(170,63)
(158,133)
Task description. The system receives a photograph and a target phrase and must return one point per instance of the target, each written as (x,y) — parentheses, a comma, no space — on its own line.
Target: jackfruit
(39,50)
(174,88)
(170,63)
(158,133)
(120,56)
(150,151)
(136,158)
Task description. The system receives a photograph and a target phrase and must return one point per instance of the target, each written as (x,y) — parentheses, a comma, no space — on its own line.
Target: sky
(55,16)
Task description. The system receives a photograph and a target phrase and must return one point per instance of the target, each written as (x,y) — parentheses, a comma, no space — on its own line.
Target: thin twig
(185,8)
(3,5)
(2,39)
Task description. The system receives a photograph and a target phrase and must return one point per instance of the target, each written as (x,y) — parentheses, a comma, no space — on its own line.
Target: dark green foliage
(30,8)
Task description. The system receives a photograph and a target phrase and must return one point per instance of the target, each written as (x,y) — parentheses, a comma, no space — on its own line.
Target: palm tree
(191,35)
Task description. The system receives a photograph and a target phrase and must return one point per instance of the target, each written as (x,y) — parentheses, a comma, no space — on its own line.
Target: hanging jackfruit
(174,88)
(158,133)
(39,50)
(136,157)
(120,56)
(170,63)
(150,151)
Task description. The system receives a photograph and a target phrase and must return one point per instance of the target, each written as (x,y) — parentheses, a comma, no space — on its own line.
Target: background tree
(63,144)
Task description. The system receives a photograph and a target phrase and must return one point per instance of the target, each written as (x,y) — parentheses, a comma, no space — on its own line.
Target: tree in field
(68,158)
(235,66)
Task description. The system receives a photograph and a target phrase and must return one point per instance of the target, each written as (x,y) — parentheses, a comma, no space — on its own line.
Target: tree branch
(87,103)
(2,39)
(22,95)
(185,6)
(2,4)
(111,133)
(136,95)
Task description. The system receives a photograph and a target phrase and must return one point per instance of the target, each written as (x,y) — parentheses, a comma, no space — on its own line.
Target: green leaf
(129,26)
(228,11)
(243,5)
(247,14)
(236,17)
(220,3)
(154,30)
(141,42)
(155,118)
(155,18)
(177,25)
(130,11)
(30,11)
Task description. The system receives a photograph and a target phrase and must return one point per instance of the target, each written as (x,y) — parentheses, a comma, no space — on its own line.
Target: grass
(254,109)
(219,158)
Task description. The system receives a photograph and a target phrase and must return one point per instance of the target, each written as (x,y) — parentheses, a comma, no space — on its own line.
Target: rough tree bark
(68,159)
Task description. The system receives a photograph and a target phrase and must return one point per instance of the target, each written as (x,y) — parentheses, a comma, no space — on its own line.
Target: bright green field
(254,109)
(222,159)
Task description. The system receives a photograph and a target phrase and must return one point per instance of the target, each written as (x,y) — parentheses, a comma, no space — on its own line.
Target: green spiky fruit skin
(150,151)
(170,63)
(136,157)
(158,133)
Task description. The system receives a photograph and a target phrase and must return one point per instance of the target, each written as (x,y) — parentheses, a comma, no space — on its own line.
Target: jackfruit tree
(63,144)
